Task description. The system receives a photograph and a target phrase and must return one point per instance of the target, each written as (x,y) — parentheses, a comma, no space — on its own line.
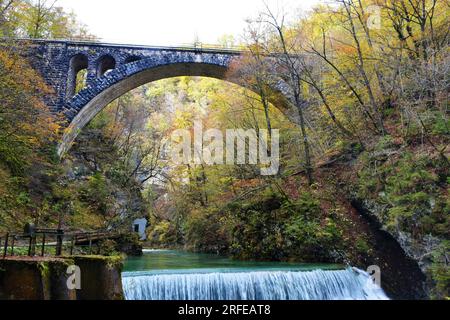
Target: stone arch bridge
(113,69)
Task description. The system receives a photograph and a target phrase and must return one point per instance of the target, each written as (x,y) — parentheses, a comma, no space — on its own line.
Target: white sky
(171,22)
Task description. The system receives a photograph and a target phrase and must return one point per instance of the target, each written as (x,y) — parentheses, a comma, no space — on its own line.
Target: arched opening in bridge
(77,77)
(139,125)
(90,105)
(105,64)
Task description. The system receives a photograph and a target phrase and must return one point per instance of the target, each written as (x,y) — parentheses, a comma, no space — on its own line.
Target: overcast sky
(171,22)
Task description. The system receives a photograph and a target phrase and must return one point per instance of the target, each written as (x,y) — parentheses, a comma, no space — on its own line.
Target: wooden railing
(63,242)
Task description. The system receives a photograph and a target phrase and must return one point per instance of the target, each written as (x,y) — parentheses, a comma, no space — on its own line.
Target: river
(177,275)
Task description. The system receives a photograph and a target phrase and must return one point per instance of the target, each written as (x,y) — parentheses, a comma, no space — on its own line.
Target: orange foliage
(26,123)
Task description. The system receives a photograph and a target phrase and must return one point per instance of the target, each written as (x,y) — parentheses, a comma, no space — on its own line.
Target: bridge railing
(50,242)
(197,46)
(193,47)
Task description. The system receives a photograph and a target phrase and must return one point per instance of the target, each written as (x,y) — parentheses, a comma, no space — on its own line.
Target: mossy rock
(34,280)
(101,277)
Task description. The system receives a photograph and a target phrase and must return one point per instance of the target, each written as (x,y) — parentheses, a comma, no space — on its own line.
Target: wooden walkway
(63,242)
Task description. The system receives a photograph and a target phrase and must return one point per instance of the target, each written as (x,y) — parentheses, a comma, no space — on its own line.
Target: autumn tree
(40,19)
(287,68)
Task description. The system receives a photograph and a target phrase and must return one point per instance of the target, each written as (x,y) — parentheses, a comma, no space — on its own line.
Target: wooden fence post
(90,244)
(12,245)
(59,242)
(72,244)
(43,246)
(6,246)
(33,245)
(29,246)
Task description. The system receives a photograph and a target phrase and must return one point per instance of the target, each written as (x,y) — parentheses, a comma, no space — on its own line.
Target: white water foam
(349,284)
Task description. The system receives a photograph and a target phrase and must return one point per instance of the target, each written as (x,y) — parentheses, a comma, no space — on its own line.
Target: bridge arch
(84,106)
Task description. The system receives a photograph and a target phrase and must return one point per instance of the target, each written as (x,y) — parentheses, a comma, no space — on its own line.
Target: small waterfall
(350,284)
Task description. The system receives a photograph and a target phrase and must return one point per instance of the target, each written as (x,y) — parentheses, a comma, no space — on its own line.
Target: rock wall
(401,276)
(419,250)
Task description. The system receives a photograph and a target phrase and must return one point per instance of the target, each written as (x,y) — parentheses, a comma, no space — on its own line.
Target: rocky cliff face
(418,249)
(403,189)
(99,189)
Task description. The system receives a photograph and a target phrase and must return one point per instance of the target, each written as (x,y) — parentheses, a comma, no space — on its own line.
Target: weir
(349,284)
